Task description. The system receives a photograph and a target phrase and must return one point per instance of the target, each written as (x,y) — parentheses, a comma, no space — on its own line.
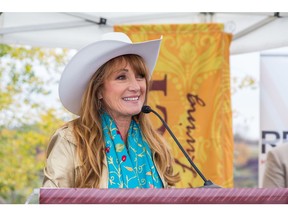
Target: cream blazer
(276,171)
(62,162)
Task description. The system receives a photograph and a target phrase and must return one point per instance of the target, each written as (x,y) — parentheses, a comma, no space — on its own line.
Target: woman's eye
(140,76)
(121,77)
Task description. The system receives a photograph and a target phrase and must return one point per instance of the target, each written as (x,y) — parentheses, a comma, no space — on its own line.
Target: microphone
(207,183)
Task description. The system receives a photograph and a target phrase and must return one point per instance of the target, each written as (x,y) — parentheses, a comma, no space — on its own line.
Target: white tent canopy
(251,31)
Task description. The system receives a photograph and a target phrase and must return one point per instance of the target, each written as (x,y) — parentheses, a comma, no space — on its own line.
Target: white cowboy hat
(85,63)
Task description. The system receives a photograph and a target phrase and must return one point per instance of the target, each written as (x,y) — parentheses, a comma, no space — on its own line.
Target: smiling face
(124,90)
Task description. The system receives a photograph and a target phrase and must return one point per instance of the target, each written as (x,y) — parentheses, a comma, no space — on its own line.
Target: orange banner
(191,91)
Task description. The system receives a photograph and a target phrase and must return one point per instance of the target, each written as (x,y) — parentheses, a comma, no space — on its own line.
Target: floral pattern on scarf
(131,166)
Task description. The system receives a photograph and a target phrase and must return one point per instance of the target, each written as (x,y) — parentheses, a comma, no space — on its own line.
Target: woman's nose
(134,85)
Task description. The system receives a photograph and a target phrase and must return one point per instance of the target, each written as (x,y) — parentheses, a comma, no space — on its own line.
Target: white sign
(273,105)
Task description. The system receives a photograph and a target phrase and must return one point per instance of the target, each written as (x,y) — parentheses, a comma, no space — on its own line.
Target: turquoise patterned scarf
(132,167)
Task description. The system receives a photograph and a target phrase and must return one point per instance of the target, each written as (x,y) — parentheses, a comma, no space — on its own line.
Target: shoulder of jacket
(66,132)
(280,151)
(62,140)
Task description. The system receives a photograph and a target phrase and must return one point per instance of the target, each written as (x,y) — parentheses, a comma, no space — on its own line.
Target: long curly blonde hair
(88,130)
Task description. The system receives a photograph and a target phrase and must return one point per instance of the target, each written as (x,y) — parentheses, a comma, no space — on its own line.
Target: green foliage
(23,156)
(27,76)
(4,50)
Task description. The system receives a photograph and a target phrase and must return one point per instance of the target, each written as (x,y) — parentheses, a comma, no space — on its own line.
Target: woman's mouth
(131,98)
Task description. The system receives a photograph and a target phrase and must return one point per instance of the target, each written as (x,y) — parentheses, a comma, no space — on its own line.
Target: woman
(112,144)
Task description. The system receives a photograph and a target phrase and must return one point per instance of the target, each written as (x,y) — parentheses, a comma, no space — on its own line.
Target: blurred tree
(27,78)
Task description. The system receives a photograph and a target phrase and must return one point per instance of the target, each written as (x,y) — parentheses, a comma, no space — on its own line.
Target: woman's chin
(133,112)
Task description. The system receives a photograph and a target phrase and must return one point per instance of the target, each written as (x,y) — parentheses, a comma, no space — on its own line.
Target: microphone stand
(207,183)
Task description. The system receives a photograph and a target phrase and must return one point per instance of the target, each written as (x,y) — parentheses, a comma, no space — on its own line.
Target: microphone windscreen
(146,109)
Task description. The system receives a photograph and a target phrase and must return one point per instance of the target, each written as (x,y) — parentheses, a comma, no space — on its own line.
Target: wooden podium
(164,196)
